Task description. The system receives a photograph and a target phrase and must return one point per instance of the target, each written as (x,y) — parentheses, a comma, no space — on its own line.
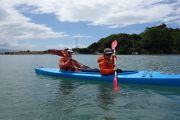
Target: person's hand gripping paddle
(115,80)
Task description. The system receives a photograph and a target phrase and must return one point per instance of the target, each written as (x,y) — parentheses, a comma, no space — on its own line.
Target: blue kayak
(137,77)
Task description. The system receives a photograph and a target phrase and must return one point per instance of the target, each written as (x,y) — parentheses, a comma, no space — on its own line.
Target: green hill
(155,40)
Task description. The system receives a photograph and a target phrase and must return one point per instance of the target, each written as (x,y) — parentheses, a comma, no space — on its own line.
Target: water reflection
(105,96)
(157,88)
(66,86)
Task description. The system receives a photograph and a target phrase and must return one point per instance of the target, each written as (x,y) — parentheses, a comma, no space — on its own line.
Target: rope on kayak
(147,72)
(151,74)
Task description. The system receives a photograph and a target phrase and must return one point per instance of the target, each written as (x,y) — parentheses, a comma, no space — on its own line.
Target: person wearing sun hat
(66,62)
(106,62)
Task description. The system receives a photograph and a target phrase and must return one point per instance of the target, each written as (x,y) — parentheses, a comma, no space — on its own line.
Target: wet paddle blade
(115,83)
(114,44)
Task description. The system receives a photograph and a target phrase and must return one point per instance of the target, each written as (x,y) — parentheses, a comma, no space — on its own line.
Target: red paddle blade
(115,83)
(114,44)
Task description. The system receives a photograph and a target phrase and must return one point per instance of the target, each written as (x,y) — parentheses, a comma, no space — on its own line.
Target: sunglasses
(108,54)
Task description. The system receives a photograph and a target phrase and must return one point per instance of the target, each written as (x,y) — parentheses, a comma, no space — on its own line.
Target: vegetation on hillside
(155,40)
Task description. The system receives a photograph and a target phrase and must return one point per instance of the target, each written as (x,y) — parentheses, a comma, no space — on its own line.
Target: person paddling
(106,62)
(66,62)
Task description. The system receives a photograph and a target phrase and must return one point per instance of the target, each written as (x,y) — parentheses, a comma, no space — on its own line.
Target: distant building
(134,53)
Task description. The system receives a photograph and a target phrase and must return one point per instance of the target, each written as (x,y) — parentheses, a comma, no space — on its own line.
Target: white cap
(70,50)
(108,51)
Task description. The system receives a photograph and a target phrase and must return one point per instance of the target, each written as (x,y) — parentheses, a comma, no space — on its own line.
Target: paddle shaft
(115,73)
(115,81)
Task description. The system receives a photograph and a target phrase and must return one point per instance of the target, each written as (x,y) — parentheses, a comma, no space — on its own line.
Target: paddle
(115,80)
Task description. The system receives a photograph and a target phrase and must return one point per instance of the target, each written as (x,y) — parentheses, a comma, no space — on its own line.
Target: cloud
(15,27)
(110,12)
(104,12)
(15,45)
(81,36)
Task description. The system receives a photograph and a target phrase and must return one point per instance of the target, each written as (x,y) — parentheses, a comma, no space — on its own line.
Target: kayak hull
(137,77)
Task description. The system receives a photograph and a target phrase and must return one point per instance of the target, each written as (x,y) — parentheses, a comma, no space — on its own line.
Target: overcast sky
(44,24)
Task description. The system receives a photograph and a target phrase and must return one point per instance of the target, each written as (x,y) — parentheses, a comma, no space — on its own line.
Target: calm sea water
(24,95)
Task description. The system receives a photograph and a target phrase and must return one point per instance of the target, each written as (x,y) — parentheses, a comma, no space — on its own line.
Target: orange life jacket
(66,63)
(69,64)
(106,65)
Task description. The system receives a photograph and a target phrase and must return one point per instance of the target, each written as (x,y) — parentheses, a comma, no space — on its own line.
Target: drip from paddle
(115,80)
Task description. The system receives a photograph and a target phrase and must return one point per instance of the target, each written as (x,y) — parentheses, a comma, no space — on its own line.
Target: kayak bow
(137,77)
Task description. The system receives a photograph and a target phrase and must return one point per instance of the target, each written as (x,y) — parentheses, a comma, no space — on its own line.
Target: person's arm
(56,52)
(79,65)
(113,57)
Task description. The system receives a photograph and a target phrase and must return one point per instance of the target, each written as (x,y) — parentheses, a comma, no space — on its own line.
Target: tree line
(155,40)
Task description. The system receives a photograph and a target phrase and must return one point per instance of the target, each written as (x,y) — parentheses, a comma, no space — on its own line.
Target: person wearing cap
(66,62)
(106,62)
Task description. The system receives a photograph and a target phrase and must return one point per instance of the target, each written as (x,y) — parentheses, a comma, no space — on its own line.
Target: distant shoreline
(46,52)
(25,53)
